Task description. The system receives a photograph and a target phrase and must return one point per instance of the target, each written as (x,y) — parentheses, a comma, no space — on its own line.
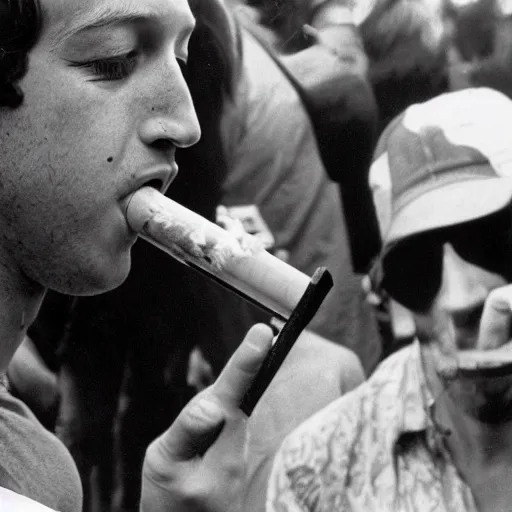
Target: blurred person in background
(304,36)
(473,26)
(495,69)
(431,428)
(406,43)
(404,48)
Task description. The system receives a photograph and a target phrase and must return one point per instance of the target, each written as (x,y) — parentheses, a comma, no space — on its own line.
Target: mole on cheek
(110,159)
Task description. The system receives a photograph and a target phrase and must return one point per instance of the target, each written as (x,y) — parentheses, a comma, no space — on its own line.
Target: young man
(93,105)
(141,325)
(432,427)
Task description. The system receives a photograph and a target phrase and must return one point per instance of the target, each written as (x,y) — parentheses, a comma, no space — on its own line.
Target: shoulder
(343,419)
(336,444)
(34,463)
(328,360)
(308,465)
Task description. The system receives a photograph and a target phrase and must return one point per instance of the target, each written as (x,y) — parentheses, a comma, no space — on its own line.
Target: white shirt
(12,502)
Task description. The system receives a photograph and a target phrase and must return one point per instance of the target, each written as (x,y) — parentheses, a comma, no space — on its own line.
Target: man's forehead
(86,8)
(66,16)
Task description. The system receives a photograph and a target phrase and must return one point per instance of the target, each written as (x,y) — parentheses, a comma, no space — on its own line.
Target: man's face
(453,318)
(451,325)
(105,107)
(450,274)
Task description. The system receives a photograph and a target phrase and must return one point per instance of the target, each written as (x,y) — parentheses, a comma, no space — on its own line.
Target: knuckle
(154,464)
(196,491)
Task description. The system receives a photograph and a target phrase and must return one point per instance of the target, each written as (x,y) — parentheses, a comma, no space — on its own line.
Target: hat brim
(451,204)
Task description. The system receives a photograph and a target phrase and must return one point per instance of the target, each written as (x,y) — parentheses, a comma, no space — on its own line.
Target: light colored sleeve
(12,502)
(281,495)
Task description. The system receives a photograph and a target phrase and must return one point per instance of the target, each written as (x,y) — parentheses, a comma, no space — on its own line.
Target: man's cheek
(86,141)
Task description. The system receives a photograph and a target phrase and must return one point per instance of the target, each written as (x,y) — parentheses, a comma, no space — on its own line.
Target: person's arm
(198,464)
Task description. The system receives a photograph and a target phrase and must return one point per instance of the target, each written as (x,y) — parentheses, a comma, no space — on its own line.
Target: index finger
(496,318)
(238,374)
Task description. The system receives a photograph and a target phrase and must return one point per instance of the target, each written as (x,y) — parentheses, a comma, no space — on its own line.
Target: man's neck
(20,300)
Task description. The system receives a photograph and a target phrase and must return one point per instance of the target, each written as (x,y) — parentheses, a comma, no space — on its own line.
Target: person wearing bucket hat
(431,429)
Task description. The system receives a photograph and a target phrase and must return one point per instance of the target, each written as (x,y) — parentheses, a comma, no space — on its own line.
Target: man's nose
(171,119)
(460,288)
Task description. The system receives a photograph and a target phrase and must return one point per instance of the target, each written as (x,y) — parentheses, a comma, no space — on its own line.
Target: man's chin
(106,284)
(96,282)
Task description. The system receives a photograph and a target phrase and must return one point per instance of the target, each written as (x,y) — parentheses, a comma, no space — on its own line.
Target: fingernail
(258,338)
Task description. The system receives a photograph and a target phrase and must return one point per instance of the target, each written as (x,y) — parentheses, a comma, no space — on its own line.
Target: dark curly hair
(20,24)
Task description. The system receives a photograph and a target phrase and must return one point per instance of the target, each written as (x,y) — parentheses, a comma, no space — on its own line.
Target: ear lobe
(10,96)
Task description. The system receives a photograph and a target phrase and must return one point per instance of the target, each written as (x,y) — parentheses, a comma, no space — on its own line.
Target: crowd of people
(365,136)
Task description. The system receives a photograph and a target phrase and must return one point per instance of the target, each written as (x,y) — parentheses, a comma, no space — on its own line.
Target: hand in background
(496,319)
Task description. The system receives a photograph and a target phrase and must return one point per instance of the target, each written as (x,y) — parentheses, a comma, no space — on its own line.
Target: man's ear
(10,96)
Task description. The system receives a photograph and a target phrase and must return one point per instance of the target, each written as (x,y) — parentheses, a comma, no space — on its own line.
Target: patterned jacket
(376,448)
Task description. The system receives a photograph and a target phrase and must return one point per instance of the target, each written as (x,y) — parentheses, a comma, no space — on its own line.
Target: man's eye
(111,69)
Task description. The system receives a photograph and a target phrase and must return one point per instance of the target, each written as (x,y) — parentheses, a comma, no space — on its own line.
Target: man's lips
(158,176)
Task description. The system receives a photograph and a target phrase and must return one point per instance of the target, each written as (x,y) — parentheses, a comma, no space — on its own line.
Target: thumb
(239,372)
(496,317)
